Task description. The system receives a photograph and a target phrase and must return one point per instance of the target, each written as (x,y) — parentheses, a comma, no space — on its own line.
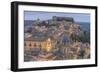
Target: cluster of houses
(41,39)
(49,35)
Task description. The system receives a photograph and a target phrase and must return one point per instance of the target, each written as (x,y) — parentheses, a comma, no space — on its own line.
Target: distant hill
(84,25)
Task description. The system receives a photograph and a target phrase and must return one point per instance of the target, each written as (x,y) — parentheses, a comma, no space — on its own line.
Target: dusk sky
(34,15)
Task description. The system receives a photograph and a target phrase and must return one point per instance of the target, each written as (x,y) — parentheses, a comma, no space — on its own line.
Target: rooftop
(40,36)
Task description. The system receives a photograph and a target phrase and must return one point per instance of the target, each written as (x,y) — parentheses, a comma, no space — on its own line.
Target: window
(25,44)
(35,45)
(40,45)
(30,45)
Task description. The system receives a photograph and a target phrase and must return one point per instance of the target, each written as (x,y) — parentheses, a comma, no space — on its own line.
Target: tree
(84,37)
(81,37)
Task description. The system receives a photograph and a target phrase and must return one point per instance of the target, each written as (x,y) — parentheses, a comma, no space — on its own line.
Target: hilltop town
(59,38)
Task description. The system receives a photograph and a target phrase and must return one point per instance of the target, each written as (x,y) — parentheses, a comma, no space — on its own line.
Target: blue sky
(33,15)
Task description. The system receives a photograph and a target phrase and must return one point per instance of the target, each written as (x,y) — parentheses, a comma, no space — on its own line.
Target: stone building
(38,40)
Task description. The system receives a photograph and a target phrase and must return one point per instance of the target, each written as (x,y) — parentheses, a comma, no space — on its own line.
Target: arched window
(40,45)
(35,45)
(30,45)
(25,44)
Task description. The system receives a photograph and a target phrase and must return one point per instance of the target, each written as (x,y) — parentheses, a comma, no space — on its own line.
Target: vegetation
(81,37)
